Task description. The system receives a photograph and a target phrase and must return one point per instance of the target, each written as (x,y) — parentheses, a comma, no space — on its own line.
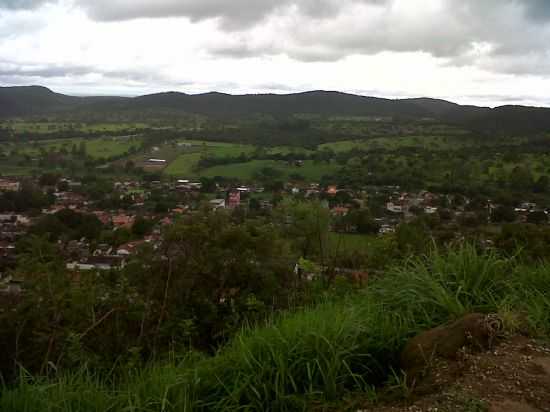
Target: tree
(503,214)
(306,224)
(363,221)
(48,179)
(142,226)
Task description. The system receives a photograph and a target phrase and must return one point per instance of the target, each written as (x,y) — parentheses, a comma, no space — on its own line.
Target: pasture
(191,151)
(104,147)
(47,127)
(432,143)
(310,171)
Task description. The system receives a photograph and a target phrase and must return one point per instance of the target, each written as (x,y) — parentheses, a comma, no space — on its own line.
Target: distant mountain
(28,100)
(315,102)
(37,100)
(434,106)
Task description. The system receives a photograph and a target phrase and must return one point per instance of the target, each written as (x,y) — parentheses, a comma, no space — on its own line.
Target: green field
(215,149)
(434,143)
(19,127)
(185,164)
(310,171)
(285,150)
(104,147)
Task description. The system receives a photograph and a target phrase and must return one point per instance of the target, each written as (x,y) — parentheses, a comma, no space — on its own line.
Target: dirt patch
(512,377)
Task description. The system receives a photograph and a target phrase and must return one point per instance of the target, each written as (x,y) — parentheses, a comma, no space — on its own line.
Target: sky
(483,52)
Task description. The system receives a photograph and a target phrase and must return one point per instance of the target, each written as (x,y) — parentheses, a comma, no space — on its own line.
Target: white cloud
(440,48)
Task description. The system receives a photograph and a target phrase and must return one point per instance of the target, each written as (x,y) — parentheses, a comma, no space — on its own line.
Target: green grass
(315,355)
(285,150)
(20,127)
(216,149)
(97,148)
(185,164)
(311,170)
(434,143)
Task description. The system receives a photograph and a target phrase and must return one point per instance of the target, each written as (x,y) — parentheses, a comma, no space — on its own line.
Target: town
(134,213)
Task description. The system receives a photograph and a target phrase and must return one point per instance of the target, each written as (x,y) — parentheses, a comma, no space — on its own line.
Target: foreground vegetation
(322,353)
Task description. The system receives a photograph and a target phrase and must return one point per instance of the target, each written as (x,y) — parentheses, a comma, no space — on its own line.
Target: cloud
(250,45)
(233,15)
(538,10)
(45,71)
(508,36)
(24,73)
(483,33)
(22,4)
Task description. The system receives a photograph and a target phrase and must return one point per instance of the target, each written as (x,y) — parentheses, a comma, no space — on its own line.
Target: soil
(513,376)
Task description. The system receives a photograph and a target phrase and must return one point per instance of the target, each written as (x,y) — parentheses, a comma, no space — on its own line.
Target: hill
(37,100)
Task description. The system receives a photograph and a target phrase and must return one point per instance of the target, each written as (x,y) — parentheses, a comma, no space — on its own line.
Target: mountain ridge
(23,101)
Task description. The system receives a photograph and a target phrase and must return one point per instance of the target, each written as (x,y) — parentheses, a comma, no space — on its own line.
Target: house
(129,248)
(385,229)
(166,221)
(180,210)
(103,217)
(156,161)
(234,199)
(217,204)
(9,185)
(332,190)
(123,221)
(108,262)
(339,211)
(394,208)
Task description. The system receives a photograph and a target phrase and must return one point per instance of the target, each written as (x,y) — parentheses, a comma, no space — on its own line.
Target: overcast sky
(486,52)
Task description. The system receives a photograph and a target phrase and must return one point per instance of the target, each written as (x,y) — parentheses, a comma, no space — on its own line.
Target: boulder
(476,331)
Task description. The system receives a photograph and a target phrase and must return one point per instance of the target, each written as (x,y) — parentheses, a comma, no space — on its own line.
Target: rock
(511,406)
(476,331)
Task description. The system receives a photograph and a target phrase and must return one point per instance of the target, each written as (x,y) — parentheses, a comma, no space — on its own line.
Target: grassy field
(191,151)
(285,150)
(434,143)
(97,148)
(184,165)
(310,171)
(219,149)
(20,127)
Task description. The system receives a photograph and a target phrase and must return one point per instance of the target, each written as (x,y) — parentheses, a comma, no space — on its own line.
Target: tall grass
(446,285)
(314,355)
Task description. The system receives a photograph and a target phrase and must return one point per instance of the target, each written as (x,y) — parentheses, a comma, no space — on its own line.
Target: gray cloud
(233,15)
(44,71)
(538,9)
(21,4)
(507,36)
(24,73)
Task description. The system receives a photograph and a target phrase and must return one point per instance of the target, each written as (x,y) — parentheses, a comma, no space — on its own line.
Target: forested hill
(36,100)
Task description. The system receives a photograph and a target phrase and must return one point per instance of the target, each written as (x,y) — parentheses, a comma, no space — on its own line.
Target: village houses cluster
(83,254)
